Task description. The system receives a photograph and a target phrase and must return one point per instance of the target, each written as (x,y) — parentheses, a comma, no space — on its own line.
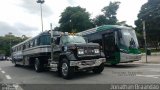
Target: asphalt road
(127,73)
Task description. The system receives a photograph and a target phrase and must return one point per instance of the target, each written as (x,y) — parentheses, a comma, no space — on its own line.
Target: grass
(152,50)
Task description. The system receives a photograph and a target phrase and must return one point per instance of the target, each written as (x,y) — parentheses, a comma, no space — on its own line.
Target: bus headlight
(96,51)
(80,51)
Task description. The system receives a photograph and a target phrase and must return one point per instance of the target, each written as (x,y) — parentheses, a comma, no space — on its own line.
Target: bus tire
(67,72)
(98,69)
(38,65)
(15,64)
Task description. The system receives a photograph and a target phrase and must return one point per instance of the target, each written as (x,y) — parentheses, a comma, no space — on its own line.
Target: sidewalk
(154,58)
(152,53)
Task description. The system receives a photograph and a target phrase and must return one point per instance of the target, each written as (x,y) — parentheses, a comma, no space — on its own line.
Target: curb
(155,54)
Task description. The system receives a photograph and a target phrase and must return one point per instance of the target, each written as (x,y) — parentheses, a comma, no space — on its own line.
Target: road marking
(152,76)
(157,70)
(17,87)
(12,86)
(8,77)
(139,69)
(150,64)
(3,72)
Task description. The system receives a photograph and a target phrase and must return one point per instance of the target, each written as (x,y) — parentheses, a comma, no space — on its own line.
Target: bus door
(109,47)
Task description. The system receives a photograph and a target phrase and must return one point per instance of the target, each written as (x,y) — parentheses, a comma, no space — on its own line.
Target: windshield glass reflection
(129,38)
(73,39)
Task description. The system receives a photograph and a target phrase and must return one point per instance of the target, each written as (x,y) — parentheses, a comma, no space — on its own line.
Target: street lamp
(144,35)
(41,2)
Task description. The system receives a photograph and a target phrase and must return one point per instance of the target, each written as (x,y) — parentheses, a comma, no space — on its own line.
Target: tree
(108,16)
(75,19)
(100,20)
(150,13)
(56,29)
(9,40)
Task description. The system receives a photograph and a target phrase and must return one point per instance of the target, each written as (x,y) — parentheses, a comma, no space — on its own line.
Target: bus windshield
(73,39)
(129,38)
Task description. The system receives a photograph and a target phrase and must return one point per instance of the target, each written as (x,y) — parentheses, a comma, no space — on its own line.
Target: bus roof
(42,33)
(102,28)
(107,27)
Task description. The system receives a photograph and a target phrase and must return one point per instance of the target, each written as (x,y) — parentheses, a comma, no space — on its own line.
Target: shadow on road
(78,75)
(128,65)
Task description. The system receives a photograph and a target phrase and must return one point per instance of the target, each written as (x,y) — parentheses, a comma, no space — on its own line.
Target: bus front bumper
(88,63)
(129,57)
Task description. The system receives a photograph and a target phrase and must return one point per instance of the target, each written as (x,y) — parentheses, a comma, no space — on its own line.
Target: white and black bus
(37,47)
(64,53)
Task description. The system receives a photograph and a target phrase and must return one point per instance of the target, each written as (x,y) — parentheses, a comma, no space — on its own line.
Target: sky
(22,17)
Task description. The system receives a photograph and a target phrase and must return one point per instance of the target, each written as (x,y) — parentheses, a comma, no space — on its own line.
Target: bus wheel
(66,71)
(38,65)
(15,64)
(99,68)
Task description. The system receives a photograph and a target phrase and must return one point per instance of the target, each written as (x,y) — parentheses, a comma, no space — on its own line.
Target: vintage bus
(27,51)
(119,43)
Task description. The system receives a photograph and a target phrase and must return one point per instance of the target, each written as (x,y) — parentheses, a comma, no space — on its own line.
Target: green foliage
(56,29)
(150,13)
(152,50)
(100,20)
(9,40)
(75,19)
(109,15)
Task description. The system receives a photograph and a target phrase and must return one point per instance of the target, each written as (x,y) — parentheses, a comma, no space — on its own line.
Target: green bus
(119,43)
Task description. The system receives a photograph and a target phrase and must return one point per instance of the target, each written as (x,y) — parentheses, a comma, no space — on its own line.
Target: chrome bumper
(87,63)
(130,57)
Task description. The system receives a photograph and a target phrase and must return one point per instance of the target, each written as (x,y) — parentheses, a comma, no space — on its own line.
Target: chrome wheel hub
(36,65)
(64,69)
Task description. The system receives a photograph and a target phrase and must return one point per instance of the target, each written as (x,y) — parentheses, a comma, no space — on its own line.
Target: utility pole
(51,41)
(41,2)
(145,39)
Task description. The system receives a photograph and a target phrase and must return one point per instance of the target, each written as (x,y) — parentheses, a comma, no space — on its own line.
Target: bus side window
(35,42)
(24,46)
(40,40)
(45,40)
(30,43)
(27,45)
